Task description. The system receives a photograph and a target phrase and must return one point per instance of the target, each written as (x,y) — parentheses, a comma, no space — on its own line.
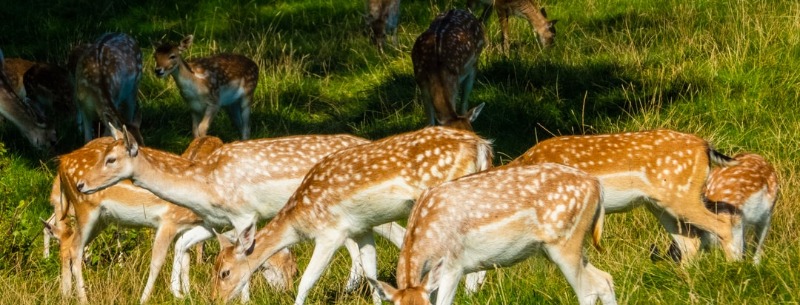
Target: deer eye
(172,56)
(224,274)
(111,160)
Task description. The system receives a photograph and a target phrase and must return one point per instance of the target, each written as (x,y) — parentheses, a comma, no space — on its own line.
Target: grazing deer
(208,83)
(345,195)
(237,184)
(130,206)
(382,18)
(445,61)
(746,192)
(25,117)
(107,77)
(545,29)
(664,169)
(516,210)
(46,87)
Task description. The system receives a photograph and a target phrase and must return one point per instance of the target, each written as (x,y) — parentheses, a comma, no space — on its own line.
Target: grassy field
(725,70)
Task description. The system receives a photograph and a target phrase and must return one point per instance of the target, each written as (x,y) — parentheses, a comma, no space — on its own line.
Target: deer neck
(187,78)
(174,179)
(535,18)
(279,233)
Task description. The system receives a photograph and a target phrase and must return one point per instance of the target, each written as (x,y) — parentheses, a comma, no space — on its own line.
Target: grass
(725,70)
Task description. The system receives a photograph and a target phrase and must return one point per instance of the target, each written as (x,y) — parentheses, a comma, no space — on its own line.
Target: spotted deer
(107,75)
(746,193)
(237,184)
(346,194)
(537,17)
(208,83)
(22,114)
(382,17)
(517,210)
(445,59)
(130,206)
(665,170)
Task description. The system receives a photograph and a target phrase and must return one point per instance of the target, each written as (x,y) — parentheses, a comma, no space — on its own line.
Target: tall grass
(725,70)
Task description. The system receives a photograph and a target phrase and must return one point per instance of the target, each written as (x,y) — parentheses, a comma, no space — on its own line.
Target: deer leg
(502,16)
(208,117)
(356,270)
(448,284)
(369,261)
(393,232)
(685,242)
(474,281)
(323,254)
(588,285)
(164,235)
(178,284)
(87,230)
(240,116)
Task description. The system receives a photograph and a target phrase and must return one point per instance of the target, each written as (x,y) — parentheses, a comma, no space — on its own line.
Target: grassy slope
(725,70)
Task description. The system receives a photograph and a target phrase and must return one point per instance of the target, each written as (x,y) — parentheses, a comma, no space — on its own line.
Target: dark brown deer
(22,114)
(382,18)
(107,75)
(208,83)
(544,28)
(445,61)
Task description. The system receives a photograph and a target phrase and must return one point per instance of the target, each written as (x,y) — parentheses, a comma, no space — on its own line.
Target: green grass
(725,70)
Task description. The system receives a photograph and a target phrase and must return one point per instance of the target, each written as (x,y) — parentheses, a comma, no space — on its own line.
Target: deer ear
(247,238)
(50,229)
(384,290)
(433,276)
(473,113)
(130,143)
(543,11)
(224,241)
(115,133)
(186,42)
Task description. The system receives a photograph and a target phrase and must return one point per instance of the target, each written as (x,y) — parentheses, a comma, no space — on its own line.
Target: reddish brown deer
(663,169)
(445,61)
(19,112)
(208,83)
(746,192)
(382,18)
(46,87)
(346,194)
(131,206)
(107,77)
(239,183)
(544,28)
(516,210)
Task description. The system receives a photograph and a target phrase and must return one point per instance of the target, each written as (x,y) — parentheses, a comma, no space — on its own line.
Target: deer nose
(80,186)
(159,71)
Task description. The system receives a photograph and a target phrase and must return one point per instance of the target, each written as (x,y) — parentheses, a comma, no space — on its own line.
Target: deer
(46,87)
(445,59)
(663,169)
(22,114)
(517,210)
(346,194)
(107,75)
(537,17)
(746,192)
(208,83)
(237,184)
(130,206)
(382,18)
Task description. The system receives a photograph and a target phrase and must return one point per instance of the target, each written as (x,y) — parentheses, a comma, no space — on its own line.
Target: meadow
(728,71)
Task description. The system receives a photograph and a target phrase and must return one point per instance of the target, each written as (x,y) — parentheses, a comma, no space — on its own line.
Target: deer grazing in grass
(746,193)
(46,87)
(237,184)
(545,29)
(130,206)
(382,17)
(445,61)
(22,114)
(498,218)
(107,75)
(208,83)
(663,169)
(346,194)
